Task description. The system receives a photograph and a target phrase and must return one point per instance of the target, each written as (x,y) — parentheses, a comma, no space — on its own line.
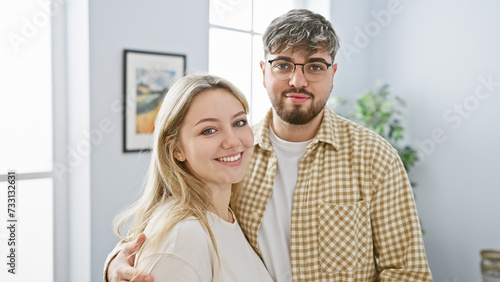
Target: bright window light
(25,76)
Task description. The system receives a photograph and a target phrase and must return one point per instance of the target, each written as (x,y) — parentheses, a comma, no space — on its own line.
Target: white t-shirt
(274,233)
(187,254)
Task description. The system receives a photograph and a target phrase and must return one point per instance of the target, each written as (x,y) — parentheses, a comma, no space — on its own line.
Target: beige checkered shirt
(353,214)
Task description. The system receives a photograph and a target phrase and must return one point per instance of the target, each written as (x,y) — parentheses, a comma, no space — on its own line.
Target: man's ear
(263,68)
(334,67)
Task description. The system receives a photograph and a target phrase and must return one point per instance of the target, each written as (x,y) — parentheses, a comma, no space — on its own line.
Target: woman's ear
(179,156)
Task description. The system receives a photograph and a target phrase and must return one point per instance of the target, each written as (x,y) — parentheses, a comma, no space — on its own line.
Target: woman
(202,146)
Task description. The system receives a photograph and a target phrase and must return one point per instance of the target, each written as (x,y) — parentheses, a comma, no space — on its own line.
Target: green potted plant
(380,112)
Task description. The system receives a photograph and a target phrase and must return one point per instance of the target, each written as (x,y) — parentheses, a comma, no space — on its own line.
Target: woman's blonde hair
(172,192)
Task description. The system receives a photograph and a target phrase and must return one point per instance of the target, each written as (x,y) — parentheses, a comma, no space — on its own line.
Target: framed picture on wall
(147,78)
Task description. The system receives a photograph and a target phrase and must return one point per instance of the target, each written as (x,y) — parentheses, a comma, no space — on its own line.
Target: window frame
(58,142)
(253,34)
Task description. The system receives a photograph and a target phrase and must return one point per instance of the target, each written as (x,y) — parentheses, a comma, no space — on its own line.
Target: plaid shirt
(353,214)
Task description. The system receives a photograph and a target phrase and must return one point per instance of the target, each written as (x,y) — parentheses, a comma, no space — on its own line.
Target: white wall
(437,55)
(163,26)
(432,54)
(77,265)
(352,73)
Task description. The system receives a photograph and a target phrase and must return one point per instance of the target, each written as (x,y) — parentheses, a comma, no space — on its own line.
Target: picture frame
(147,77)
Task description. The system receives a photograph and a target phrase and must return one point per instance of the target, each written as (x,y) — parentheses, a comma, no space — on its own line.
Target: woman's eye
(208,131)
(241,123)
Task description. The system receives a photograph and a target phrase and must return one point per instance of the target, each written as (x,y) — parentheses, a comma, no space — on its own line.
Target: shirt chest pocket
(344,236)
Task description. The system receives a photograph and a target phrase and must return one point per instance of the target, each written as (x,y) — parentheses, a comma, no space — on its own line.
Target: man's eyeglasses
(284,69)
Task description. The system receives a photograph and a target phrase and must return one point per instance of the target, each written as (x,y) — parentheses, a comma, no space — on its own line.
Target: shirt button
(255,215)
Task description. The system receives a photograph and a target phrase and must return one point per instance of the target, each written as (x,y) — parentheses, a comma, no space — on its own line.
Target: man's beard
(297,116)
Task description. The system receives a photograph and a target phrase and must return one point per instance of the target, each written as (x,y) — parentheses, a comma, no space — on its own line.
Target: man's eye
(283,66)
(241,123)
(208,131)
(316,67)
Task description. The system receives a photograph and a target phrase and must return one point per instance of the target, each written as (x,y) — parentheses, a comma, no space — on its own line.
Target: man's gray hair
(300,31)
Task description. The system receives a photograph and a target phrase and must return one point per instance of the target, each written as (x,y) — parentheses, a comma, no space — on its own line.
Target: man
(324,199)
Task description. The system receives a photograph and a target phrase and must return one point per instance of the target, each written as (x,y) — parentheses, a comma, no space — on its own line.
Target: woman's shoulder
(185,251)
(191,228)
(188,232)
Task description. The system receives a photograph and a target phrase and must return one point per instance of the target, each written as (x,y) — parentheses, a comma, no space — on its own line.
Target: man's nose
(298,78)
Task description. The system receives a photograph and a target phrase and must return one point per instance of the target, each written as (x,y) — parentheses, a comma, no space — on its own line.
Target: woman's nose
(230,139)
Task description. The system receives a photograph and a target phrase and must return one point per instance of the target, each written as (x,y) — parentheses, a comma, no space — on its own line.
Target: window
(235,47)
(26,205)
(235,43)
